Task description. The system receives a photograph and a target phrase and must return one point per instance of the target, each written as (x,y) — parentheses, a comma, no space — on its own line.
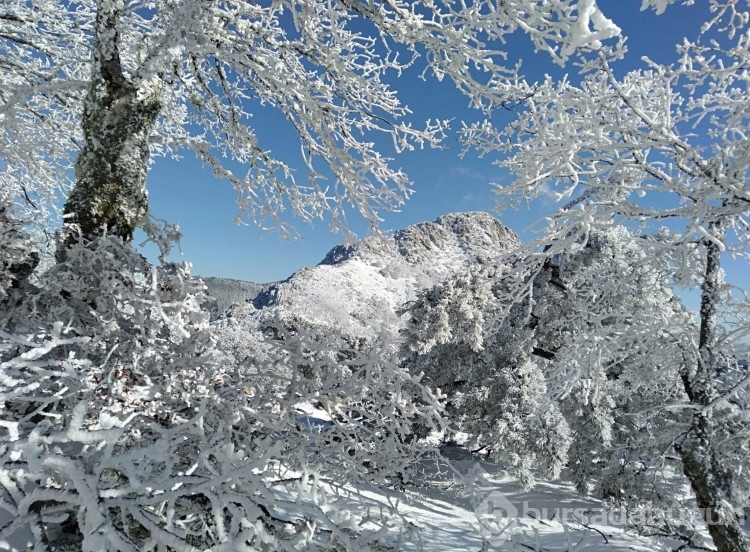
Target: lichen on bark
(120,112)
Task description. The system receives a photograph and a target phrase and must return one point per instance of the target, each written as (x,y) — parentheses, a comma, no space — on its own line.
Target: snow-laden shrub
(110,406)
(122,427)
(348,410)
(359,407)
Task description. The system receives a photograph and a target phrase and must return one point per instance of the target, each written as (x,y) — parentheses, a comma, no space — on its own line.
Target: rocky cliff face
(458,235)
(465,237)
(359,287)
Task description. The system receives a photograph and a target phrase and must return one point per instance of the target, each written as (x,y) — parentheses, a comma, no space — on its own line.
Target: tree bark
(110,194)
(711,483)
(702,464)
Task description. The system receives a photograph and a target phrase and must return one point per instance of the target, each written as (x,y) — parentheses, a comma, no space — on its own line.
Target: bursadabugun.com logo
(498,517)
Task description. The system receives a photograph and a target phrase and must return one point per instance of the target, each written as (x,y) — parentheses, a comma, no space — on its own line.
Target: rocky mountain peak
(474,235)
(360,286)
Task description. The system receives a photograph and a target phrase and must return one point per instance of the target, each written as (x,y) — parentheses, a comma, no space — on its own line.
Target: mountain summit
(359,287)
(475,234)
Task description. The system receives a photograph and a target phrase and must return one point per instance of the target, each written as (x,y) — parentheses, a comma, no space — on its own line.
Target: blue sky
(186,193)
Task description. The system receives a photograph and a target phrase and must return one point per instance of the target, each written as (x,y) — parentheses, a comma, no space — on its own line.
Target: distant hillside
(228,292)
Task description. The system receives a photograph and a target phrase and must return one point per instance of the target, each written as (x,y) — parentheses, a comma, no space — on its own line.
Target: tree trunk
(709,478)
(711,482)
(110,194)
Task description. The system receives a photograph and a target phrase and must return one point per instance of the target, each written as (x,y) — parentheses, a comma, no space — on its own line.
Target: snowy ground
(443,513)
(452,494)
(447,519)
(445,507)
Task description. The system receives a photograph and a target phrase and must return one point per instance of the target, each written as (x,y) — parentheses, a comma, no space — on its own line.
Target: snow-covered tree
(461,336)
(663,145)
(616,341)
(112,82)
(585,372)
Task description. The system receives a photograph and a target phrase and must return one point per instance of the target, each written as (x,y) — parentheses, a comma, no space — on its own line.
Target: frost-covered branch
(192,75)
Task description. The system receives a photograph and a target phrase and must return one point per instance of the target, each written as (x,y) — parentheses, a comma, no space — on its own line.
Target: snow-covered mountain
(359,287)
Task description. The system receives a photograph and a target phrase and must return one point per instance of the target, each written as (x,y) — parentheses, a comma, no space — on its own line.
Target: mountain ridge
(360,286)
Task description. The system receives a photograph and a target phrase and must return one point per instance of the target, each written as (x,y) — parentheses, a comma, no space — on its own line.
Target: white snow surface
(441,511)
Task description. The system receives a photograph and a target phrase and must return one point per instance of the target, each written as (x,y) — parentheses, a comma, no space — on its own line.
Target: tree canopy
(120,80)
(663,150)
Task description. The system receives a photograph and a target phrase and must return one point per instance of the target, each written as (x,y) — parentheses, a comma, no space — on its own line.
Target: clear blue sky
(186,193)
